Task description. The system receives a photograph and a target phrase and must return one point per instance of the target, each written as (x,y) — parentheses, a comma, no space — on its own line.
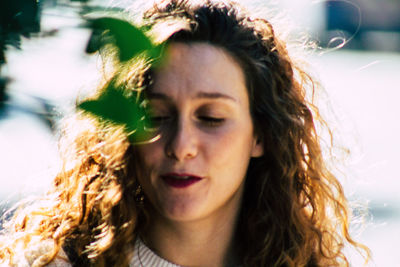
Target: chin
(182,212)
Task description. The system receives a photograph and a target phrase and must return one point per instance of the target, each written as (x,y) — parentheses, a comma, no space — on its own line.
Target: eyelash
(206,120)
(211,121)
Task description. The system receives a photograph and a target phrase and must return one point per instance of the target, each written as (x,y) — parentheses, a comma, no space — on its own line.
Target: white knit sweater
(145,257)
(142,257)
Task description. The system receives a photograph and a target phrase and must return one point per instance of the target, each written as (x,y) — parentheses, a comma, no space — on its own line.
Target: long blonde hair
(294,212)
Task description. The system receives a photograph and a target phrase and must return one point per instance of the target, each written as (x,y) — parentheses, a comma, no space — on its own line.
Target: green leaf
(114,107)
(129,39)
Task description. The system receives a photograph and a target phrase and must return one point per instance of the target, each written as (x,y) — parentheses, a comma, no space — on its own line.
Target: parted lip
(180,175)
(180,180)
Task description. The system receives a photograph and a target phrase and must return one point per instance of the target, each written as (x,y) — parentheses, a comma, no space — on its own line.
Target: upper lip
(181,175)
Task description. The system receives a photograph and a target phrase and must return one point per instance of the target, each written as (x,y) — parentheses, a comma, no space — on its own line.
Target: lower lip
(180,183)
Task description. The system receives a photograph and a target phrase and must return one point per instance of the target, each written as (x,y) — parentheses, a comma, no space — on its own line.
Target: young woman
(236,176)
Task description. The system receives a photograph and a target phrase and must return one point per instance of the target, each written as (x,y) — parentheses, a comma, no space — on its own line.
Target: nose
(182,143)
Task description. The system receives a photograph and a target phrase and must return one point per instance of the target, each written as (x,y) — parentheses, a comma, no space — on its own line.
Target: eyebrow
(200,95)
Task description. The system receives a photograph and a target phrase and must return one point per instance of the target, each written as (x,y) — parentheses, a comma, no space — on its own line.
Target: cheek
(231,150)
(150,153)
(150,156)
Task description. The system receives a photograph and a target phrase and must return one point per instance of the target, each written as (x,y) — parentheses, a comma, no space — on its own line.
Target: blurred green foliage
(17,17)
(3,95)
(130,40)
(22,18)
(112,105)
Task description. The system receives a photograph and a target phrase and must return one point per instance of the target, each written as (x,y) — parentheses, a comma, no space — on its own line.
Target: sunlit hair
(294,212)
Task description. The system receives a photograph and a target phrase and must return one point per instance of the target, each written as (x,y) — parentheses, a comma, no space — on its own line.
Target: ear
(258,148)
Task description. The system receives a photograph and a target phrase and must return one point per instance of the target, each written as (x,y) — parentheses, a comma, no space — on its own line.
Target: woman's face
(198,166)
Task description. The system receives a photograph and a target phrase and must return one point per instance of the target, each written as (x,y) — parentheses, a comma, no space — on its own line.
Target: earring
(139,196)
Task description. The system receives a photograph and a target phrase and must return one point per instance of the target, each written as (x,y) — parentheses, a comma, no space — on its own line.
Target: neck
(207,242)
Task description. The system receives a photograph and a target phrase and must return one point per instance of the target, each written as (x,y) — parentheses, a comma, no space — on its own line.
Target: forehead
(190,69)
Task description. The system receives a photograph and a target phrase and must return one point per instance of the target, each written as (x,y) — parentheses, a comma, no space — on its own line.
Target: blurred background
(43,67)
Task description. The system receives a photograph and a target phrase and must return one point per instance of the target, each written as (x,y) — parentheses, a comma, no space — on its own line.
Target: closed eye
(159,120)
(211,121)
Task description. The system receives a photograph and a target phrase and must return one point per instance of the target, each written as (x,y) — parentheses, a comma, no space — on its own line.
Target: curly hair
(294,212)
